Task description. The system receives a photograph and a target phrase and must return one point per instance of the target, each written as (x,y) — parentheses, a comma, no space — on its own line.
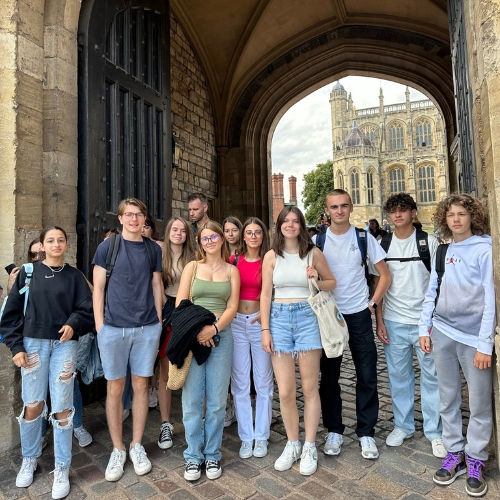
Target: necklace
(54,269)
(215,268)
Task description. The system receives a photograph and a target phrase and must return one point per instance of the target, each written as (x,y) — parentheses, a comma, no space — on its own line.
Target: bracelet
(216,329)
(265,329)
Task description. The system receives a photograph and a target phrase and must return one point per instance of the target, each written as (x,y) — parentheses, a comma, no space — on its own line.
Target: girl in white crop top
(290,331)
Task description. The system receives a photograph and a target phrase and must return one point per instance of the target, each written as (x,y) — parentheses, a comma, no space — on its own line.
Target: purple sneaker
(475,485)
(452,467)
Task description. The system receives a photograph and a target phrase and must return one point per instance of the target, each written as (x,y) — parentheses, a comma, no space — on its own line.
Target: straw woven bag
(177,376)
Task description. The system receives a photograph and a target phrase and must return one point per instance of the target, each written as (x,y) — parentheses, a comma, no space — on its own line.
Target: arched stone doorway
(407,58)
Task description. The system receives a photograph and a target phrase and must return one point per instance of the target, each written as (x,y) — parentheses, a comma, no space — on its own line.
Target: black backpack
(422,246)
(114,245)
(440,267)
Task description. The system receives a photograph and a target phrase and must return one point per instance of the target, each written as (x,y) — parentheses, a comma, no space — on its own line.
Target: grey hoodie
(465,310)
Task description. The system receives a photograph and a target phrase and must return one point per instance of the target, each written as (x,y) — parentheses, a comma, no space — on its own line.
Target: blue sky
(302,138)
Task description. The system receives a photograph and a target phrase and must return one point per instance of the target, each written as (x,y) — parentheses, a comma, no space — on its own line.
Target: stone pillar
(482,25)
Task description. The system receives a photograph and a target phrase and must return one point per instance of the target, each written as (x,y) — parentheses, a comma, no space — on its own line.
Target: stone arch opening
(404,57)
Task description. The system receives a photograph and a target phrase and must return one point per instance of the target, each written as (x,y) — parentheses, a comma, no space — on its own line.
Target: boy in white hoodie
(461,326)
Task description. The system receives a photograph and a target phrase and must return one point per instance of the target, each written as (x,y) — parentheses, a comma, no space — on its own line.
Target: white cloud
(302,138)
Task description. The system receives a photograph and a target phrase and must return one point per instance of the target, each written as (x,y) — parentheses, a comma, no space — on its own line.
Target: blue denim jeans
(399,355)
(51,360)
(207,381)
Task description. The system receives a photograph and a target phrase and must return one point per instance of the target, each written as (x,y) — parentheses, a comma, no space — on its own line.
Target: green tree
(318,183)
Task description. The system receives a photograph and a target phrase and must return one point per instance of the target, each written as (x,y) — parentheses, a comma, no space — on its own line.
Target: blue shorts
(122,346)
(294,328)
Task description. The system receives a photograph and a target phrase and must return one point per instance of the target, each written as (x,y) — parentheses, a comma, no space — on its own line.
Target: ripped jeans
(53,366)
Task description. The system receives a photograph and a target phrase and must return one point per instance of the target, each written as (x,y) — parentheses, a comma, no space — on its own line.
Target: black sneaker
(213,469)
(192,472)
(165,439)
(452,467)
(475,485)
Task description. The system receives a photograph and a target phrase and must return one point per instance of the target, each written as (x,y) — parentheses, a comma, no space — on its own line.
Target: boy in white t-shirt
(397,325)
(345,259)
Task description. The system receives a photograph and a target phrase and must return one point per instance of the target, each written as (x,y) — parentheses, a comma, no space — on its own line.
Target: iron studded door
(124,115)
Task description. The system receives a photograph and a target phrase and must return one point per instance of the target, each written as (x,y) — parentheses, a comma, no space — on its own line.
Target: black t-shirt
(129,297)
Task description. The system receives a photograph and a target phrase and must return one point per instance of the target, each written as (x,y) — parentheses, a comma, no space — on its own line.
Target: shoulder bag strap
(192,281)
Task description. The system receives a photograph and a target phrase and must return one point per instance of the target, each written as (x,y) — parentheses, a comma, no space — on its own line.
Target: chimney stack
(292,181)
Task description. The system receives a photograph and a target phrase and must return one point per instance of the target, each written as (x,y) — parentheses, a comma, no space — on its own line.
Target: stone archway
(355,50)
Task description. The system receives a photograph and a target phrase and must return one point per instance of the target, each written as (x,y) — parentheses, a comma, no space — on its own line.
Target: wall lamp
(176,152)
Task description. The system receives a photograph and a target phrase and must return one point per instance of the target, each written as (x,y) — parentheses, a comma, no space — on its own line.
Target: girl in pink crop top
(248,352)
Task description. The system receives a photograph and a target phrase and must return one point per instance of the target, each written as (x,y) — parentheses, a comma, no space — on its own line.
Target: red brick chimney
(278,197)
(292,181)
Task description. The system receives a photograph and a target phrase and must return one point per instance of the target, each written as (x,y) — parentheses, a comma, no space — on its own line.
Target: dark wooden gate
(124,115)
(467,174)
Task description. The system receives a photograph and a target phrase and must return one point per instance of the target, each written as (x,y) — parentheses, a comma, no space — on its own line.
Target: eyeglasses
(131,215)
(255,234)
(34,255)
(214,239)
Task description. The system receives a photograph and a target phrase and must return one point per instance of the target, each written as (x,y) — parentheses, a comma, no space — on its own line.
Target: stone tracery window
(339,184)
(396,137)
(355,191)
(397,180)
(371,132)
(426,184)
(423,133)
(370,191)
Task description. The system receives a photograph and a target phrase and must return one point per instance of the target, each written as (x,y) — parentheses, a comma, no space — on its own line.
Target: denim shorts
(122,346)
(294,328)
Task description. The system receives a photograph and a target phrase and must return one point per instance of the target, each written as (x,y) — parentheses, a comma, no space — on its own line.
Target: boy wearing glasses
(127,313)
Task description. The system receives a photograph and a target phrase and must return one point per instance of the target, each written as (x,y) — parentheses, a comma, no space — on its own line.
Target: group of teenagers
(257,290)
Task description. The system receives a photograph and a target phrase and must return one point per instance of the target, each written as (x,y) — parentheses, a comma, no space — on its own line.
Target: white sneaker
(60,487)
(290,454)
(260,449)
(308,460)
(192,472)
(230,417)
(140,459)
(246,449)
(83,436)
(438,449)
(213,469)
(369,448)
(333,443)
(114,470)
(397,436)
(25,475)
(153,397)
(126,414)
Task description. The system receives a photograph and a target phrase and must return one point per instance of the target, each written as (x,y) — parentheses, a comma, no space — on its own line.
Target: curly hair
(401,200)
(478,212)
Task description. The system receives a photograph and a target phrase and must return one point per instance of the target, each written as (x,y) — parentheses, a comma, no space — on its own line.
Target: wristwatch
(373,304)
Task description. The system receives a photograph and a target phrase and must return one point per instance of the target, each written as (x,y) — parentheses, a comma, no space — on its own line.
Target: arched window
(340,180)
(396,137)
(371,133)
(397,180)
(369,188)
(355,192)
(423,133)
(426,184)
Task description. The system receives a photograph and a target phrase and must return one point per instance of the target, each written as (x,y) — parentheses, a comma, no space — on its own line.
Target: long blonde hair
(187,253)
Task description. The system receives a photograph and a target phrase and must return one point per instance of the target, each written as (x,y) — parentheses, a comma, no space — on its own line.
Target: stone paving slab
(400,473)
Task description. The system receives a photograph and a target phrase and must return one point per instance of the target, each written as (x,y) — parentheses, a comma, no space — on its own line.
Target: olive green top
(211,295)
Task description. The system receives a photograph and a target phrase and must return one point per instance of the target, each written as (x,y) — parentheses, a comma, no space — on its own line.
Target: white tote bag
(332,325)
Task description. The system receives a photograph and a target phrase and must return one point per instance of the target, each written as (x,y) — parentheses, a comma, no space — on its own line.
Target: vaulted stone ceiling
(237,39)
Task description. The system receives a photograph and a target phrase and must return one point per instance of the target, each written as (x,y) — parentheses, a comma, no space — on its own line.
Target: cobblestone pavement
(403,472)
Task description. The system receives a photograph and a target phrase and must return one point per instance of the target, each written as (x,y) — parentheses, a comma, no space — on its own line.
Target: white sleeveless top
(290,277)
